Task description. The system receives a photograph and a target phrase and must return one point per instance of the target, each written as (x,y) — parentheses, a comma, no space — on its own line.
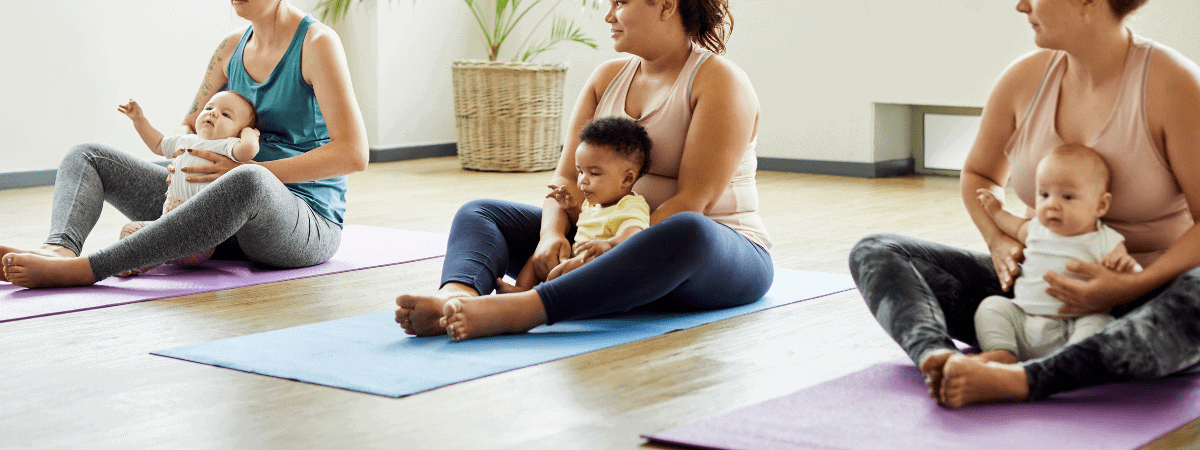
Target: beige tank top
(1148,207)
(667,124)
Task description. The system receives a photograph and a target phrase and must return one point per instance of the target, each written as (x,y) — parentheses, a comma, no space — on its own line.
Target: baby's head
(225,115)
(1072,190)
(613,152)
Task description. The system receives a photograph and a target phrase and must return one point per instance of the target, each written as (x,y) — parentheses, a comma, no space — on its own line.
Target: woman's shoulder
(1171,73)
(1019,82)
(717,74)
(605,73)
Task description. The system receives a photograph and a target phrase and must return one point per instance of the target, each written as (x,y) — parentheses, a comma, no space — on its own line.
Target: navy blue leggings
(686,262)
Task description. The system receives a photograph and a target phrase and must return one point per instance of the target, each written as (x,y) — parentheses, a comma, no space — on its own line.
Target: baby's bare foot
(475,317)
(969,381)
(32,270)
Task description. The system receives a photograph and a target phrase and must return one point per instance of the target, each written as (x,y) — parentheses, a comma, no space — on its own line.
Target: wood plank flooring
(87,380)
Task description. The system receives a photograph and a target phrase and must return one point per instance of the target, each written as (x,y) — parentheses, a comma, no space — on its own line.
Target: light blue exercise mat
(370,353)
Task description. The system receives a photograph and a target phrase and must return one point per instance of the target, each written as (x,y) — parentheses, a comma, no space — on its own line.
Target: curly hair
(624,136)
(1123,8)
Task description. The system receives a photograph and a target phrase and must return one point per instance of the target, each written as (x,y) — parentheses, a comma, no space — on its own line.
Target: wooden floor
(87,380)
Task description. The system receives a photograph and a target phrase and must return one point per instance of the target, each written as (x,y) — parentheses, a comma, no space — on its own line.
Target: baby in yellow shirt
(613,153)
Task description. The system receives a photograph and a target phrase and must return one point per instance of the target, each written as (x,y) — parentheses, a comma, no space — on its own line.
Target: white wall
(819,66)
(68,63)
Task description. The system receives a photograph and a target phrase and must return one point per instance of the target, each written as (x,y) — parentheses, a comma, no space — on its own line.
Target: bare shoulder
(1020,80)
(720,75)
(604,75)
(229,43)
(322,38)
(1172,76)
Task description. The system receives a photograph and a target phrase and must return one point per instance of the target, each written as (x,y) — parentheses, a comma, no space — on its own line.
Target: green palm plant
(498,22)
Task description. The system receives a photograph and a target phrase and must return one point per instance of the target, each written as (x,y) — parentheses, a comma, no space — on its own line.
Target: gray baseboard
(31,178)
(407,152)
(879,169)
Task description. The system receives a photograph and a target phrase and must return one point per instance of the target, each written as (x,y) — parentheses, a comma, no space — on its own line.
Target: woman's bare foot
(37,271)
(44,250)
(932,367)
(419,314)
(968,381)
(469,318)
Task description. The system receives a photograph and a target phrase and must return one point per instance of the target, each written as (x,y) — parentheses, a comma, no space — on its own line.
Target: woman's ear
(667,8)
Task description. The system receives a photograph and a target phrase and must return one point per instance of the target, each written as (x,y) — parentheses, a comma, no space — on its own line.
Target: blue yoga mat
(370,353)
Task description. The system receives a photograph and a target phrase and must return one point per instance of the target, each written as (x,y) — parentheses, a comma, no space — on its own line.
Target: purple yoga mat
(887,406)
(362,247)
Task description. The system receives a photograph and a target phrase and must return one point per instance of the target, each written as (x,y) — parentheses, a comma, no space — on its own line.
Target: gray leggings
(248,207)
(925,293)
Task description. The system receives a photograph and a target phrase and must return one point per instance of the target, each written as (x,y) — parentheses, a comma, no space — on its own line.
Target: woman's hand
(208,172)
(1104,288)
(550,252)
(1007,253)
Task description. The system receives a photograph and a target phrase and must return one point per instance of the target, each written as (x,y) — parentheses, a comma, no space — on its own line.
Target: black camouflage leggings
(924,294)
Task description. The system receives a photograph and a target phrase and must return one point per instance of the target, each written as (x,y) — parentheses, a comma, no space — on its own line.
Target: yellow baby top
(597,222)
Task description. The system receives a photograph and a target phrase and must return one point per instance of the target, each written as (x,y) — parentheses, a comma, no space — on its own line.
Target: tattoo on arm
(207,86)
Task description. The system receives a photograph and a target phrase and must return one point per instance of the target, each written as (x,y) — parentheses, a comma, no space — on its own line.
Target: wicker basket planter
(508,115)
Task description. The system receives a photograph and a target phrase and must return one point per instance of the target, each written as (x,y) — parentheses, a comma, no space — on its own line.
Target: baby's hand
(561,195)
(132,110)
(592,249)
(990,203)
(1121,263)
(249,134)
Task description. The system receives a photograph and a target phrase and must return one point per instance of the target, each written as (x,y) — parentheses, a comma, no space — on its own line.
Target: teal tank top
(289,120)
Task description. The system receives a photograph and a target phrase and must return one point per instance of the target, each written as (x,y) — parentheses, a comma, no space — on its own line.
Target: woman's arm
(553,246)
(1173,110)
(215,78)
(724,121)
(986,167)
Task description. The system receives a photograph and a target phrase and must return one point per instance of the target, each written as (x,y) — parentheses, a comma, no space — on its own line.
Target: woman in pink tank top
(706,247)
(1137,104)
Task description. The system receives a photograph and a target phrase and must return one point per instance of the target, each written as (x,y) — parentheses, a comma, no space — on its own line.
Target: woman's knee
(247,178)
(872,247)
(86,152)
(685,234)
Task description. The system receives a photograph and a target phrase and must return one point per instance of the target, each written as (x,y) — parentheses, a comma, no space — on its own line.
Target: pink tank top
(1148,208)
(667,124)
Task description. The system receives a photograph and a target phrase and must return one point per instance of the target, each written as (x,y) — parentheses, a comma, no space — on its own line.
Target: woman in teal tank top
(283,209)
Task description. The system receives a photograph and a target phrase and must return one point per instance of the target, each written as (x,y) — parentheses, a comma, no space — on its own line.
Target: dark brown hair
(623,136)
(708,22)
(1122,8)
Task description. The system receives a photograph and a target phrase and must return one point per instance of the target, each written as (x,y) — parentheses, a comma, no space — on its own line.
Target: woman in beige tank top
(706,246)
(1136,103)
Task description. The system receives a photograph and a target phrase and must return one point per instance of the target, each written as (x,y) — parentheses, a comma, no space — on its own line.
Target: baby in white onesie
(1072,195)
(225,127)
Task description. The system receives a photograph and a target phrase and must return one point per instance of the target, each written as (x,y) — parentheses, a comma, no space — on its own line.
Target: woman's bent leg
(1158,338)
(489,239)
(272,225)
(91,174)
(923,294)
(684,262)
